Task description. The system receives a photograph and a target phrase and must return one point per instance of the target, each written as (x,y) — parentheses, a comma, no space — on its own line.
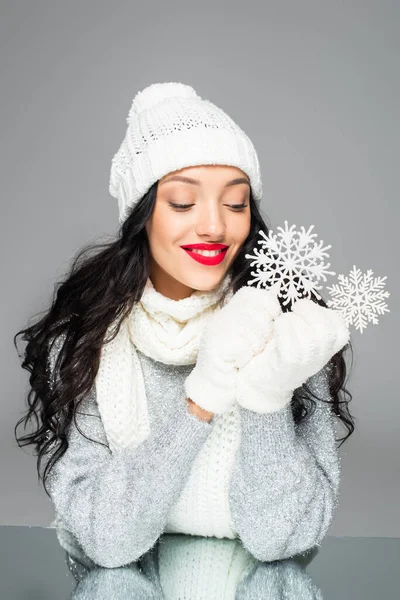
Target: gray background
(316,87)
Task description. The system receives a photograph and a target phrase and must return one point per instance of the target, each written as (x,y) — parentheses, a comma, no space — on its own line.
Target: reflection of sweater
(198,568)
(245,474)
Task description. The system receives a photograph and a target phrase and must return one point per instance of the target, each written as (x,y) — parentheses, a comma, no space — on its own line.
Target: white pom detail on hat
(156,93)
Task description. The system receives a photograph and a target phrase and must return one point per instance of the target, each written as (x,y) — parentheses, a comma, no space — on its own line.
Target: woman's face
(209,219)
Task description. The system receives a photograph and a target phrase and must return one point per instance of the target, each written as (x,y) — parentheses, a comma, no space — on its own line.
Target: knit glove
(232,336)
(304,340)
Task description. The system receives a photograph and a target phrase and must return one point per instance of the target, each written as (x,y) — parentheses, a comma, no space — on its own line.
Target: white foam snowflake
(291,264)
(359,298)
(286,256)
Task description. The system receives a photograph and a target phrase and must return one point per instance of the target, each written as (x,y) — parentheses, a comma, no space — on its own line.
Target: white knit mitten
(232,336)
(304,340)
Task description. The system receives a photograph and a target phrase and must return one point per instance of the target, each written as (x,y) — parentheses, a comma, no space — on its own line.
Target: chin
(207,284)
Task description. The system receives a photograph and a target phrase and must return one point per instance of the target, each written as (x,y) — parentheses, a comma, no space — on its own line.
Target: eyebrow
(197,182)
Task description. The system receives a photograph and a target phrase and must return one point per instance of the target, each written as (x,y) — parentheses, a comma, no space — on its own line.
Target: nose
(211,222)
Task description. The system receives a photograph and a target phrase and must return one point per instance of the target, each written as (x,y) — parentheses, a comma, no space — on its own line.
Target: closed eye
(236,207)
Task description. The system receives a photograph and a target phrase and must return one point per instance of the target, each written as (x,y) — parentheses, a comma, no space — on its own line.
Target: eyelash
(182,207)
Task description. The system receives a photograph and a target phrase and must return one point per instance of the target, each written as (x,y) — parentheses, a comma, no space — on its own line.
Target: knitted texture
(167,330)
(197,568)
(246,474)
(171,127)
(303,341)
(203,506)
(232,337)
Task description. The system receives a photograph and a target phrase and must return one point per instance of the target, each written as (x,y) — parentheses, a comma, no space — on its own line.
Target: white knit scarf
(164,329)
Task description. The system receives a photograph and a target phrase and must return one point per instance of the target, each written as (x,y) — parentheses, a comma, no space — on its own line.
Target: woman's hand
(304,340)
(197,411)
(232,336)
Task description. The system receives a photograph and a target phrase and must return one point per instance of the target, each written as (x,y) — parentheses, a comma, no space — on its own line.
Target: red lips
(207,260)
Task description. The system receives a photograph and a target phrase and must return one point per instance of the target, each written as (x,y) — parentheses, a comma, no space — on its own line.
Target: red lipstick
(206,260)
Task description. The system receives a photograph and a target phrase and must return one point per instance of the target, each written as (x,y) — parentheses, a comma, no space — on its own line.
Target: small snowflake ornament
(359,298)
(291,264)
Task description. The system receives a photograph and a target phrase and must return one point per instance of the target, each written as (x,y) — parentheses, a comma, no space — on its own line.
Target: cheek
(242,229)
(163,237)
(168,224)
(172,229)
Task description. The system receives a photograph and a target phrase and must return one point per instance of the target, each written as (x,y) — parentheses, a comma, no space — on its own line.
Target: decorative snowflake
(287,256)
(359,298)
(291,264)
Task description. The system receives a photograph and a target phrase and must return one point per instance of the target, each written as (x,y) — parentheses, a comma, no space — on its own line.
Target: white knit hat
(171,127)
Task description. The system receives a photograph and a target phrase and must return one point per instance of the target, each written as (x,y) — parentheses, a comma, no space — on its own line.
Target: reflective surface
(33,566)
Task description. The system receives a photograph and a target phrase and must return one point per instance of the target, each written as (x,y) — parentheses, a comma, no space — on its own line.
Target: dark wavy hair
(103,283)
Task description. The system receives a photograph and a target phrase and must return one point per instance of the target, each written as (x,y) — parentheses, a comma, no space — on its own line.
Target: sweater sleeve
(117,505)
(124,583)
(285,482)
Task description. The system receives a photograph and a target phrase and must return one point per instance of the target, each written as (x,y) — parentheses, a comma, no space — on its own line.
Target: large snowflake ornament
(287,256)
(359,297)
(291,264)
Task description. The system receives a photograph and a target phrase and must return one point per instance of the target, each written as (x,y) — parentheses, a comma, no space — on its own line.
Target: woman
(173,397)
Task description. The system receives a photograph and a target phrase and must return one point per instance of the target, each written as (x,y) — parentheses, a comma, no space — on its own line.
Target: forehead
(207,174)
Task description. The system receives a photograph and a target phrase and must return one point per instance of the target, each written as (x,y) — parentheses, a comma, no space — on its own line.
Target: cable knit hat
(171,127)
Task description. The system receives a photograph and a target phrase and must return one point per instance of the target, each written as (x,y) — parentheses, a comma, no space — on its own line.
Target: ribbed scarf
(164,329)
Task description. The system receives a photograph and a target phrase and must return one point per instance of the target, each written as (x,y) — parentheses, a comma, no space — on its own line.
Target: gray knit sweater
(282,483)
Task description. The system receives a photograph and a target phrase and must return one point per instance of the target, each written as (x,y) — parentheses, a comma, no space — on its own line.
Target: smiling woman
(135,368)
(216,210)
